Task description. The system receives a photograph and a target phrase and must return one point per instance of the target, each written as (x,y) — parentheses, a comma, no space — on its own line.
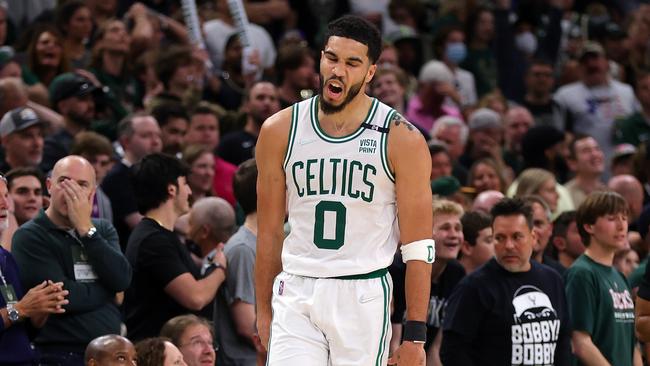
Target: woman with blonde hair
(536,181)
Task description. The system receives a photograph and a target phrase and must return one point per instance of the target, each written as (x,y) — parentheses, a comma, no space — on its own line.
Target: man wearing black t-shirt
(511,311)
(166,282)
(446,272)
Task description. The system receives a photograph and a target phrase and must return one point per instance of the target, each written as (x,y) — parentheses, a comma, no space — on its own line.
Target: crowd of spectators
(128,193)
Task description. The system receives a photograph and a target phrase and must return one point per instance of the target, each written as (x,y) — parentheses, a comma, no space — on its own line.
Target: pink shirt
(416,115)
(222,183)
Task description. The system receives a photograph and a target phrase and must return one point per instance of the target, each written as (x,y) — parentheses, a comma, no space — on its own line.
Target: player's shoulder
(404,133)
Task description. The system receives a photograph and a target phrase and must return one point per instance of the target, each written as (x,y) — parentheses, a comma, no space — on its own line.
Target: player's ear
(371,72)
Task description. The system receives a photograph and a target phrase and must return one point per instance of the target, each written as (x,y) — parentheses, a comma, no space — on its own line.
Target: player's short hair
(244,185)
(473,222)
(513,207)
(447,207)
(152,176)
(358,29)
(176,326)
(598,204)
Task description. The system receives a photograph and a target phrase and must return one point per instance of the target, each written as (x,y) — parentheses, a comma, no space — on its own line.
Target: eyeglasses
(200,343)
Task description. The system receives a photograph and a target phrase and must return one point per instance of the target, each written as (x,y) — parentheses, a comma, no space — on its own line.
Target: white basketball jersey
(341,196)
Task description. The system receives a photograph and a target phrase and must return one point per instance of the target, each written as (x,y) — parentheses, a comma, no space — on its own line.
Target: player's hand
(408,354)
(263,328)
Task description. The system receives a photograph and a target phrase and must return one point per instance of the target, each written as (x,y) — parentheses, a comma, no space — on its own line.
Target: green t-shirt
(600,303)
(634,130)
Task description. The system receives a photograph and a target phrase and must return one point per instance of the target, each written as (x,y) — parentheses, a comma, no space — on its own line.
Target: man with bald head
(110,350)
(211,223)
(631,189)
(64,244)
(486,200)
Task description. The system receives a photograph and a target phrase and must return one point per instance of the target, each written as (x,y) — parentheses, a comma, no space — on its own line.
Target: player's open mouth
(334,90)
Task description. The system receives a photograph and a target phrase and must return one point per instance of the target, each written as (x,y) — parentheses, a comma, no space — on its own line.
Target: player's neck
(349,118)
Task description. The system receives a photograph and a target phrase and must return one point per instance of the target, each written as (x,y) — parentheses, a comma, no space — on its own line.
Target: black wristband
(415,331)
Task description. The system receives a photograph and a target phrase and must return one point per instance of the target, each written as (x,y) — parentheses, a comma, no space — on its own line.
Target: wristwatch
(12,313)
(91,232)
(209,267)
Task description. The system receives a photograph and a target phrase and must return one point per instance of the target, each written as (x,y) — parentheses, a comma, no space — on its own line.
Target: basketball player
(348,167)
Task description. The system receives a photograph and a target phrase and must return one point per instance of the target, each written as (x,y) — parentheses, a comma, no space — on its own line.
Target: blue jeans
(61,358)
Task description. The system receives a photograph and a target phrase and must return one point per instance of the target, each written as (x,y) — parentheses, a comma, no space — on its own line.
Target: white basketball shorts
(330,321)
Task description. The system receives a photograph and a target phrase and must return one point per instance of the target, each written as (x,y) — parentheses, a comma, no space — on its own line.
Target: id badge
(8,294)
(83,271)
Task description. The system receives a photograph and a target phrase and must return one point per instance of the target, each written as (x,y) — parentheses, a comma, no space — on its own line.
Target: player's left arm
(410,161)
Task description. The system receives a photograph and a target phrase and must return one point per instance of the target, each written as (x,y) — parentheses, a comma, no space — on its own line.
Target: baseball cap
(484,118)
(445,186)
(591,48)
(18,119)
(68,85)
(622,150)
(435,71)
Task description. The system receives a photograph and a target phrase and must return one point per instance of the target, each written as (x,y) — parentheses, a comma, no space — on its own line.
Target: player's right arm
(271,210)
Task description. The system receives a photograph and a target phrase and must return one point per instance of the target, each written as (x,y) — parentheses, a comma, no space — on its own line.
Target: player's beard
(329,108)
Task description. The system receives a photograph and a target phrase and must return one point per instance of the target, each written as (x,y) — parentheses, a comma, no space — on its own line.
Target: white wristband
(421,250)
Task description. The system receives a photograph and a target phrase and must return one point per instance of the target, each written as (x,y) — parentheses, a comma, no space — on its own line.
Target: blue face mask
(456,52)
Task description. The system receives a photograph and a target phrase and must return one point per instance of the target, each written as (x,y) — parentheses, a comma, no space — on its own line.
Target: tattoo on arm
(398,120)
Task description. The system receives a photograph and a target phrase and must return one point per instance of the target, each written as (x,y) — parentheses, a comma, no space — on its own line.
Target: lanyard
(4,261)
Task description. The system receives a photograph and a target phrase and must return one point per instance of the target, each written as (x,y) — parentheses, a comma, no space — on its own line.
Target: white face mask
(526,43)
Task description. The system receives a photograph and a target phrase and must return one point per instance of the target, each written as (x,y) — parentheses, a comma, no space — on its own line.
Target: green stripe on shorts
(384,331)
